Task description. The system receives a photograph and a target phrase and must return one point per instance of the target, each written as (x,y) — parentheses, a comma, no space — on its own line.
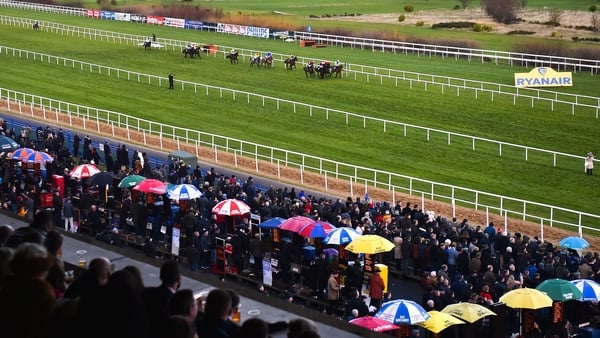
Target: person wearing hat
(589,163)
(376,287)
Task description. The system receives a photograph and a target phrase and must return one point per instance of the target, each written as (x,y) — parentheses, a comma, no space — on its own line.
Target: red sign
(155,20)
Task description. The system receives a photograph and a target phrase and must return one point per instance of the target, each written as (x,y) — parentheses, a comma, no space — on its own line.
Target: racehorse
(233,57)
(290,63)
(324,70)
(36,26)
(308,70)
(337,70)
(147,44)
(191,51)
(267,62)
(255,60)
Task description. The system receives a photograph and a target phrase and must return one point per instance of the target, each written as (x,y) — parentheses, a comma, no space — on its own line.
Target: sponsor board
(231,29)
(173,22)
(93,13)
(257,32)
(190,24)
(155,20)
(122,16)
(106,15)
(543,77)
(137,18)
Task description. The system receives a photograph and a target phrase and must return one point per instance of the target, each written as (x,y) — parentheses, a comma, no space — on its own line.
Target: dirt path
(290,176)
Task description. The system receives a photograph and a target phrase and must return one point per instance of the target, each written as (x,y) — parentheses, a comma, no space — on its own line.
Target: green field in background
(456,164)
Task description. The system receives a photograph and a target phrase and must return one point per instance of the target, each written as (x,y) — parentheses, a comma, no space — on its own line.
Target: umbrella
(316,229)
(231,207)
(439,321)
(374,324)
(573,242)
(469,312)
(84,171)
(184,192)
(590,289)
(341,236)
(370,244)
(7,144)
(271,223)
(402,311)
(130,181)
(100,179)
(21,153)
(38,157)
(295,223)
(331,252)
(559,289)
(526,298)
(151,185)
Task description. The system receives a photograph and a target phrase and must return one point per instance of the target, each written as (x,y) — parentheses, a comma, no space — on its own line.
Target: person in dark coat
(76,142)
(156,299)
(57,204)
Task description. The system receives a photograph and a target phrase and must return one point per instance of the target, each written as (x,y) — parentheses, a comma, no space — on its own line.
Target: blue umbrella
(589,288)
(341,236)
(573,242)
(272,223)
(401,311)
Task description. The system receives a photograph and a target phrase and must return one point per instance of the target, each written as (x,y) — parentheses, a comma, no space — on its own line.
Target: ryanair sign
(543,77)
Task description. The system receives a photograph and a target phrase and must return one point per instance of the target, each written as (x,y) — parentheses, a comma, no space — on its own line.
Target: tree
(465,3)
(555,15)
(503,11)
(595,23)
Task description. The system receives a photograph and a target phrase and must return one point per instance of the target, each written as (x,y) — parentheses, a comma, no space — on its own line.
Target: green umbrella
(559,290)
(130,181)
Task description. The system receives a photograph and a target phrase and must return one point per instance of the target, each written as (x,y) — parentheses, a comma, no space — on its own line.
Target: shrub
(401,18)
(313,16)
(458,24)
(420,23)
(593,8)
(409,8)
(465,3)
(555,16)
(456,7)
(554,34)
(520,32)
(477,27)
(502,11)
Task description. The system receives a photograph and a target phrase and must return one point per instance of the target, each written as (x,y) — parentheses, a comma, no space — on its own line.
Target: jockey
(188,46)
(311,64)
(234,52)
(268,55)
(337,63)
(148,40)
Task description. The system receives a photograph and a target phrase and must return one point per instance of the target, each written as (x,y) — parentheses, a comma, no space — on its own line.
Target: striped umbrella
(22,153)
(589,288)
(39,157)
(130,181)
(231,207)
(402,311)
(184,192)
(84,171)
(341,236)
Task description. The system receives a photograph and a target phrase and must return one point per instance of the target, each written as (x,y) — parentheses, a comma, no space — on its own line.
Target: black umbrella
(7,145)
(100,179)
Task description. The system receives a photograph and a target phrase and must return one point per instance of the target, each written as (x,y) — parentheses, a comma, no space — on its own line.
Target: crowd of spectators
(456,261)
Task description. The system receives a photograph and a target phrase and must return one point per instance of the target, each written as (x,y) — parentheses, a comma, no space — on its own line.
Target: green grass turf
(456,164)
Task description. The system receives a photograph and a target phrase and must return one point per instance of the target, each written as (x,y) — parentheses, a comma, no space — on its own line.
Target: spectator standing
(156,299)
(589,163)
(68,214)
(376,288)
(171,81)
(76,142)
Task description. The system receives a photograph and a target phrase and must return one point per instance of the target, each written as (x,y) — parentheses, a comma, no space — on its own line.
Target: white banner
(122,16)
(174,22)
(175,241)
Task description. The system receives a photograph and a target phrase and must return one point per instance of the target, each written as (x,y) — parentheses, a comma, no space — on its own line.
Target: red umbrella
(374,324)
(151,185)
(316,229)
(231,207)
(84,171)
(39,157)
(21,153)
(295,223)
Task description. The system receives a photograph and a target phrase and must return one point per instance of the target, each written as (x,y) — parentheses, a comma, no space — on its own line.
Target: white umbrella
(84,171)
(231,207)
(184,192)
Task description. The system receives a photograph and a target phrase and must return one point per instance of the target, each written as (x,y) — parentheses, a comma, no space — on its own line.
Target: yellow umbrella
(439,321)
(370,244)
(526,298)
(469,312)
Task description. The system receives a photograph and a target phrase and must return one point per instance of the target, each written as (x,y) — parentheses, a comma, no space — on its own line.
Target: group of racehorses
(323,70)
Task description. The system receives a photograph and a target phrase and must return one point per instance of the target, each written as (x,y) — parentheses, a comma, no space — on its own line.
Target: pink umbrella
(295,223)
(374,324)
(151,185)
(84,171)
(231,207)
(316,229)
